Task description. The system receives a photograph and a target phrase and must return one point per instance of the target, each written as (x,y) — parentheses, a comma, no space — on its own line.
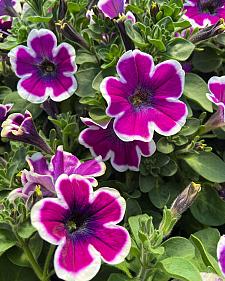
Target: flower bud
(208,32)
(19,127)
(185,199)
(69,32)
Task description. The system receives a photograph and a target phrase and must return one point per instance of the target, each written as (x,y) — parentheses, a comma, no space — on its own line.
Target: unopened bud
(154,9)
(69,32)
(62,9)
(185,199)
(208,32)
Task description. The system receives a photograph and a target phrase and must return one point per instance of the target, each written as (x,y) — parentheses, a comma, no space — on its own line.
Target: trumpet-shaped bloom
(4,109)
(145,97)
(45,69)
(5,26)
(9,7)
(221,254)
(42,175)
(204,12)
(20,127)
(115,8)
(102,140)
(216,87)
(83,225)
(112,8)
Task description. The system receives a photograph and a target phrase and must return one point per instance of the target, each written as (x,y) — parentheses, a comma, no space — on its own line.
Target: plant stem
(36,267)
(47,262)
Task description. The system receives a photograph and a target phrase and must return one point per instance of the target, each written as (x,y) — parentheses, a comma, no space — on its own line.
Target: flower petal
(33,88)
(169,116)
(217,90)
(38,163)
(74,190)
(113,242)
(76,260)
(63,163)
(65,58)
(42,42)
(221,254)
(94,167)
(111,8)
(167,81)
(104,142)
(22,61)
(62,87)
(48,215)
(107,206)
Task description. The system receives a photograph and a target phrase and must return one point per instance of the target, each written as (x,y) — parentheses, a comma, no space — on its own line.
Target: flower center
(140,97)
(71,226)
(47,67)
(210,6)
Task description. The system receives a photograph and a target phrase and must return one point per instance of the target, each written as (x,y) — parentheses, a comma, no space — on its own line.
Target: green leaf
(209,208)
(207,258)
(25,229)
(159,195)
(84,81)
(7,240)
(191,126)
(164,146)
(178,267)
(178,247)
(119,277)
(20,105)
(195,89)
(206,60)
(84,57)
(209,238)
(11,272)
(16,255)
(179,49)
(208,165)
(134,34)
(133,208)
(146,183)
(134,225)
(169,169)
(37,19)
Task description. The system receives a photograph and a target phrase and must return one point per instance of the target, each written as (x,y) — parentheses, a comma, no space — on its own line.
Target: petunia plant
(112,156)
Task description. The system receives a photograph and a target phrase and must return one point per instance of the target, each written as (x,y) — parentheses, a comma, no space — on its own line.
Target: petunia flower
(4,109)
(145,97)
(102,140)
(5,26)
(19,127)
(45,69)
(201,13)
(42,175)
(115,8)
(10,7)
(221,254)
(216,87)
(83,225)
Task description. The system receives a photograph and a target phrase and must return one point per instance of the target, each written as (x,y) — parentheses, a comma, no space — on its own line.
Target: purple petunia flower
(83,225)
(10,7)
(43,175)
(45,69)
(4,109)
(19,127)
(5,26)
(145,97)
(102,140)
(201,13)
(216,87)
(115,8)
(221,254)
